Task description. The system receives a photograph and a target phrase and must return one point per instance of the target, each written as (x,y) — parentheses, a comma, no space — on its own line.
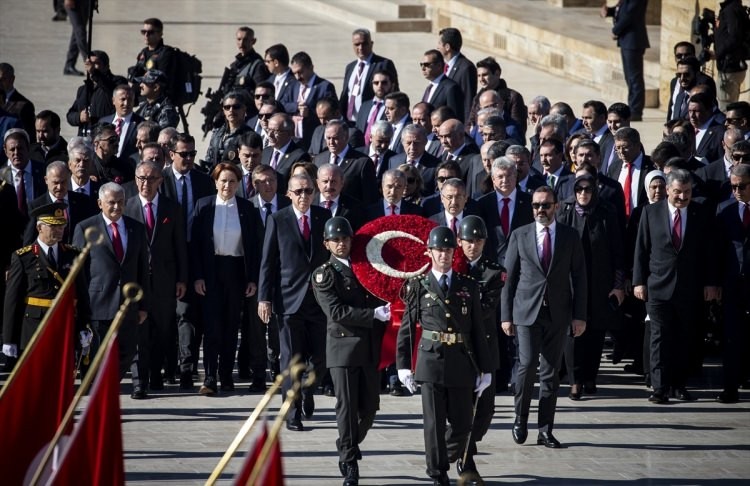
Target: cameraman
(730,52)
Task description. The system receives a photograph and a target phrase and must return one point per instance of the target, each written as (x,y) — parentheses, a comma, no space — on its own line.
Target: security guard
(36,274)
(472,234)
(453,359)
(352,354)
(156,106)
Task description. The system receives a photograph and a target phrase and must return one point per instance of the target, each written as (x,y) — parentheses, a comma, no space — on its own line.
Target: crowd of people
(571,236)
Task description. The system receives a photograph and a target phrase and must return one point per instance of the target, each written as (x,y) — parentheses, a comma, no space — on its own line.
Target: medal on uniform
(464,310)
(319,278)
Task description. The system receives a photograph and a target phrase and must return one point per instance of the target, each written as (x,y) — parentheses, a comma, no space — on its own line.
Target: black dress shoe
(575,392)
(186,380)
(682,394)
(139,393)
(466,467)
(658,397)
(328,391)
(227,386)
(308,405)
(441,480)
(71,71)
(520,430)
(156,383)
(257,386)
(351,478)
(295,425)
(60,17)
(209,387)
(728,396)
(589,388)
(548,440)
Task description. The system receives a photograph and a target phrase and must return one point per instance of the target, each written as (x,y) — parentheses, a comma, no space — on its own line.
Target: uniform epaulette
(23,250)
(322,276)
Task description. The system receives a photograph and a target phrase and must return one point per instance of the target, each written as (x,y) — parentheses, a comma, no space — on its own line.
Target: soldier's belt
(39,302)
(443,337)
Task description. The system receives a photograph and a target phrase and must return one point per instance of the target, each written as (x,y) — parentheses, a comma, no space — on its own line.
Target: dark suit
(646,166)
(79,208)
(37,176)
(105,276)
(321,88)
(318,141)
(541,306)
(168,265)
(347,207)
(396,146)
(352,352)
(226,278)
(715,186)
(23,109)
(363,115)
(359,174)
(630,31)
(284,95)
(700,78)
(710,146)
(674,281)
(446,371)
(377,210)
(448,93)
(427,166)
(128,146)
(489,209)
(464,73)
(287,264)
(293,154)
(464,158)
(377,63)
(58,151)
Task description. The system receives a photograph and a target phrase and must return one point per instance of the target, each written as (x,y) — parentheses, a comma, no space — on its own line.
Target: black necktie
(444,284)
(268,212)
(183,181)
(51,258)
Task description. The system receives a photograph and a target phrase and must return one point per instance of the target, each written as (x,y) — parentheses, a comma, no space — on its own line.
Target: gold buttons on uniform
(447,301)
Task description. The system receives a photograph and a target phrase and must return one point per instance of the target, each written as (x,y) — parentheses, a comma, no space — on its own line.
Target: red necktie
(21,193)
(249,188)
(305,229)
(627,186)
(275,159)
(327,204)
(505,216)
(375,160)
(118,126)
(453,226)
(546,250)
(350,112)
(371,120)
(150,220)
(746,217)
(393,209)
(117,243)
(677,230)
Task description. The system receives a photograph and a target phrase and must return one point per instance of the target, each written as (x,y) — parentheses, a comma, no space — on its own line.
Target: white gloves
(383,313)
(483,381)
(10,350)
(407,378)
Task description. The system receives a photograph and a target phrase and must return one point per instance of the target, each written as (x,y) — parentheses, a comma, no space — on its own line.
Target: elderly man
(453,194)
(381,133)
(81,166)
(414,141)
(330,184)
(283,152)
(24,175)
(456,147)
(392,203)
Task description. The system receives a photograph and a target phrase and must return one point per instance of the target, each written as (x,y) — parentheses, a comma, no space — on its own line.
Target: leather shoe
(548,440)
(575,392)
(139,393)
(352,473)
(209,387)
(328,391)
(520,430)
(186,380)
(589,388)
(441,480)
(682,394)
(658,397)
(257,386)
(466,467)
(294,425)
(308,405)
(728,396)
(71,71)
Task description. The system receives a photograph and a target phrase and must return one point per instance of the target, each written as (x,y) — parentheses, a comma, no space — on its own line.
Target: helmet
(441,237)
(472,228)
(337,227)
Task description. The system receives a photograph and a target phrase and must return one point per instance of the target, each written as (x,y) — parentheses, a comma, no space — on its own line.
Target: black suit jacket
(80,207)
(105,276)
(288,262)
(448,93)
(377,63)
(427,166)
(20,106)
(359,174)
(464,73)
(396,141)
(58,151)
(321,88)
(710,146)
(646,167)
(734,251)
(347,207)
(364,113)
(497,241)
(465,157)
(318,141)
(294,153)
(37,176)
(377,210)
(128,147)
(715,183)
(202,247)
(284,96)
(699,79)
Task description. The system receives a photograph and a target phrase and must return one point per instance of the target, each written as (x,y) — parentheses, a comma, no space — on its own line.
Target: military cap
(52,214)
(152,76)
(441,237)
(337,227)
(472,228)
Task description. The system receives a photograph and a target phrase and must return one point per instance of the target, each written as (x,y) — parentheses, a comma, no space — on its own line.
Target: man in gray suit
(544,290)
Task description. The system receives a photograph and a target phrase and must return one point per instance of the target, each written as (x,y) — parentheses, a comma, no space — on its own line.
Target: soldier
(36,274)
(472,234)
(156,106)
(453,357)
(352,353)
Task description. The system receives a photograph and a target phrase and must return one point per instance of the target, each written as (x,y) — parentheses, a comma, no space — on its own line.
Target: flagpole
(291,396)
(295,369)
(132,292)
(93,237)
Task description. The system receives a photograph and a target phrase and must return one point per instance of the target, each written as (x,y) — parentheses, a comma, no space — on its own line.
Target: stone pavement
(177,438)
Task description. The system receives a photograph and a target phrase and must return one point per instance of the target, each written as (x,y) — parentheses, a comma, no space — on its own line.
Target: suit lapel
(107,238)
(531,245)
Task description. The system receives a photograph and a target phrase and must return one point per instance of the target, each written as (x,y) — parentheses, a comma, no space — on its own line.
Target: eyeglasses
(732,121)
(147,180)
(262,96)
(739,187)
(265,116)
(232,107)
(683,75)
(442,179)
(742,157)
(148,32)
(425,65)
(187,154)
(586,189)
(298,192)
(545,206)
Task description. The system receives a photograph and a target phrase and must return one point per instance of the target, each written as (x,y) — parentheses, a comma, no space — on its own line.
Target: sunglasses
(187,154)
(298,192)
(424,65)
(545,206)
(148,32)
(231,107)
(739,187)
(265,116)
(262,96)
(586,189)
(742,157)
(442,179)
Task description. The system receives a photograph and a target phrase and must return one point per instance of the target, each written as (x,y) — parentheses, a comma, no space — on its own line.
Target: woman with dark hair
(596,222)
(226,254)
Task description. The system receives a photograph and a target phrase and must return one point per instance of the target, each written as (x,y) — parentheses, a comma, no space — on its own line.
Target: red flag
(93,455)
(272,473)
(252,455)
(34,401)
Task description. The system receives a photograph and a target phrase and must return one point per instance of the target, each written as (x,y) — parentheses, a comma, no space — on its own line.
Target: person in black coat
(392,202)
(597,224)
(225,256)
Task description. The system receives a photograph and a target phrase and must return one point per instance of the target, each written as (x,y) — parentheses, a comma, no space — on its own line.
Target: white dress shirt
(121,229)
(540,239)
(227,230)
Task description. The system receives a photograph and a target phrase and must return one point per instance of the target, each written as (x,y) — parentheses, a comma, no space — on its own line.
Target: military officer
(453,359)
(36,274)
(352,353)
(472,234)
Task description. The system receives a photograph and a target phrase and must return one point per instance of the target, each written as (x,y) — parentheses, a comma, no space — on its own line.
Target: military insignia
(23,250)
(319,278)
(150,64)
(242,81)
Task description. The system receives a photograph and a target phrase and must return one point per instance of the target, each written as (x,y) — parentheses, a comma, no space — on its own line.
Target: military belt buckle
(448,338)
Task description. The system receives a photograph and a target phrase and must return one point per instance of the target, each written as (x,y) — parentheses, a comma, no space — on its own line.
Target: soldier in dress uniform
(453,360)
(472,234)
(352,352)
(36,274)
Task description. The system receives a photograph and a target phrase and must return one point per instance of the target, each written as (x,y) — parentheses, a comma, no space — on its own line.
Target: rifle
(212,112)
